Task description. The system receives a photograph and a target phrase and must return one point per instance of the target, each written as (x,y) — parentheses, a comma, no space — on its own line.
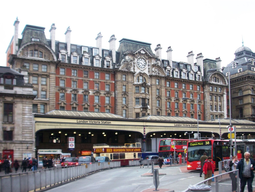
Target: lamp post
(189,134)
(197,120)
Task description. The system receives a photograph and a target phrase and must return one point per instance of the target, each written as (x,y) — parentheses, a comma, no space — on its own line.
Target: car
(167,161)
(69,161)
(150,158)
(83,160)
(102,159)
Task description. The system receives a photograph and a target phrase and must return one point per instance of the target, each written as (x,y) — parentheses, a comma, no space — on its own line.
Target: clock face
(141,63)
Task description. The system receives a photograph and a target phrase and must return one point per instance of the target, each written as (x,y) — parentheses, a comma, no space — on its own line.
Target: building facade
(131,81)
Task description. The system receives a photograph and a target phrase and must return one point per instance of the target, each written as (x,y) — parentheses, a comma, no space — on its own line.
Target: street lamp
(189,134)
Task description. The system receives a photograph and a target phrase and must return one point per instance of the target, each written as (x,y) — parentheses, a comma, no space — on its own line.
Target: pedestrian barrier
(46,178)
(219,183)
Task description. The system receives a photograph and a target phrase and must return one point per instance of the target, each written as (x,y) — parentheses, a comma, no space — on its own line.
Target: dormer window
(176,74)
(63,58)
(183,75)
(74,59)
(85,49)
(8,80)
(85,61)
(106,53)
(97,63)
(73,48)
(62,46)
(191,76)
(107,64)
(95,51)
(240,70)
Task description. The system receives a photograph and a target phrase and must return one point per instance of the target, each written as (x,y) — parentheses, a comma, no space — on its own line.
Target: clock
(141,63)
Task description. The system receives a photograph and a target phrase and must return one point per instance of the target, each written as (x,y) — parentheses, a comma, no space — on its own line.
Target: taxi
(69,162)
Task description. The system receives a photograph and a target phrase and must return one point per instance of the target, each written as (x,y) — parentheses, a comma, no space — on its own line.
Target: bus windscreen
(197,149)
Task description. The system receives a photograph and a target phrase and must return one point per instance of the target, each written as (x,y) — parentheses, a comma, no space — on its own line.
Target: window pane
(62,71)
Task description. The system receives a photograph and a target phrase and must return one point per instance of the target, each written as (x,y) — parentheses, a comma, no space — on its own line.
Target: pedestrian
(34,164)
(208,169)
(160,162)
(233,175)
(202,160)
(16,165)
(45,162)
(29,164)
(246,166)
(6,165)
(50,163)
(24,165)
(171,158)
(141,162)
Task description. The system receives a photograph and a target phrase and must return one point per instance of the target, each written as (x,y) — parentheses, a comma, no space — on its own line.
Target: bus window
(184,142)
(178,142)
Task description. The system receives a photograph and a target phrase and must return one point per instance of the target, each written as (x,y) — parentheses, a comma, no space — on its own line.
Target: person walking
(6,165)
(160,162)
(24,165)
(246,175)
(208,169)
(141,162)
(16,165)
(202,160)
(35,164)
(232,165)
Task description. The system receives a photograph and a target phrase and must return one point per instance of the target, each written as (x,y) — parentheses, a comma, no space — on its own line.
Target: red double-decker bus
(217,149)
(171,145)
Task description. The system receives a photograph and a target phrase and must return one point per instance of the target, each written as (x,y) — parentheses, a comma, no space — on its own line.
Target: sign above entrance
(94,122)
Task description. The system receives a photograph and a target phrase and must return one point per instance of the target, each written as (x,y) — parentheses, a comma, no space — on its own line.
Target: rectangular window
(199,107)
(183,95)
(240,101)
(26,65)
(85,98)
(63,58)
(97,63)
(43,95)
(7,135)
(74,97)
(34,80)
(176,105)
(107,100)
(42,108)
(85,61)
(215,89)
(106,53)
(137,115)
(184,86)
(43,81)
(62,108)
(210,97)
(191,95)
(124,88)
(85,85)
(137,101)
(86,49)
(62,83)
(97,110)
(107,76)
(211,88)
(191,87)
(184,115)
(177,114)
(124,113)
(168,93)
(198,97)
(157,91)
(74,109)
(107,110)
(215,98)
(107,87)
(211,108)
(198,88)
(176,94)
(95,51)
(74,84)
(108,64)
(62,46)
(184,106)
(86,109)
(215,108)
(35,53)
(158,103)
(136,89)
(8,112)
(61,96)
(168,104)
(35,93)
(175,85)
(74,60)
(219,89)
(62,71)
(124,100)
(74,72)
(86,74)
(73,48)
(31,53)
(35,108)
(44,68)
(35,67)
(123,77)
(142,89)
(96,75)
(96,86)
(168,84)
(219,107)
(40,54)
(157,81)
(96,99)
(191,106)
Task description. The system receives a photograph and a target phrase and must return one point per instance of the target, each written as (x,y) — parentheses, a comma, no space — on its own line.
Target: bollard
(156,179)
(152,167)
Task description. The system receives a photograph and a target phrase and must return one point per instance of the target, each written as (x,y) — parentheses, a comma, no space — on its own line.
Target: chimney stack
(190,57)
(158,51)
(200,62)
(99,42)
(68,40)
(169,55)
(112,47)
(52,36)
(218,63)
(16,36)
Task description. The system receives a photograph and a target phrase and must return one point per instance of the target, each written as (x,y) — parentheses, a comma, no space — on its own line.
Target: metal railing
(46,178)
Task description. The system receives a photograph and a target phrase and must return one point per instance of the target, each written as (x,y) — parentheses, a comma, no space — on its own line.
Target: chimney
(158,51)
(200,62)
(112,47)
(218,63)
(190,57)
(68,40)
(16,36)
(99,43)
(169,55)
(52,36)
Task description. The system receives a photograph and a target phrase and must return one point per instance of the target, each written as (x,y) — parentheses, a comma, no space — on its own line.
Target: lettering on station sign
(93,122)
(184,125)
(116,150)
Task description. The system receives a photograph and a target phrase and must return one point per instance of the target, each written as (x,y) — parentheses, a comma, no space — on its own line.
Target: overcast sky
(215,28)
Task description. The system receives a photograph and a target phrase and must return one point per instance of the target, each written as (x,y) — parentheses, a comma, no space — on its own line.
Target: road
(133,179)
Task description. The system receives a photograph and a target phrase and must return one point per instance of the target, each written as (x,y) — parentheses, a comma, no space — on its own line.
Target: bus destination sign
(199,143)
